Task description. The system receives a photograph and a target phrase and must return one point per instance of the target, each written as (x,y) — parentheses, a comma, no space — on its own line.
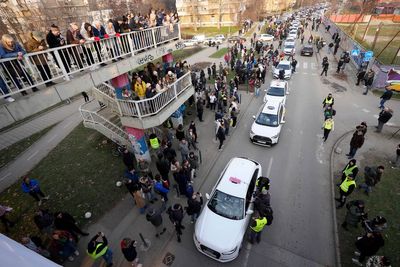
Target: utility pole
(219,14)
(366,29)
(376,35)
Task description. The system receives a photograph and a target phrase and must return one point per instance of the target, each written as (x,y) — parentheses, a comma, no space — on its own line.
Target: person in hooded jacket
(355,213)
(176,216)
(194,206)
(128,248)
(55,39)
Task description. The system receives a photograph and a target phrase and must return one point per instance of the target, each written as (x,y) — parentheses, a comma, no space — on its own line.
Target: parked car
(190,42)
(277,91)
(211,41)
(220,37)
(289,48)
(199,38)
(223,222)
(266,37)
(293,34)
(268,123)
(284,65)
(234,39)
(307,50)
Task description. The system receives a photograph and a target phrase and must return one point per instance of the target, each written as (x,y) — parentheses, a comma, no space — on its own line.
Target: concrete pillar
(139,143)
(119,83)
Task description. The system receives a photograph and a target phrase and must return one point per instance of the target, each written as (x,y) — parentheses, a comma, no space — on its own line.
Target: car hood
(218,233)
(273,98)
(265,131)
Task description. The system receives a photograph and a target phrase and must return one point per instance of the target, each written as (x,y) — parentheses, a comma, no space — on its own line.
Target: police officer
(97,249)
(328,101)
(351,168)
(154,141)
(345,189)
(262,183)
(328,126)
(257,225)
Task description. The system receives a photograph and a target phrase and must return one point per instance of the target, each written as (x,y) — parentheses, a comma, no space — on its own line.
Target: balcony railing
(146,107)
(38,68)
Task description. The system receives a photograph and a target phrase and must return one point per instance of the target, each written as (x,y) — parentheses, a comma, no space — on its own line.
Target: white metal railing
(146,107)
(38,68)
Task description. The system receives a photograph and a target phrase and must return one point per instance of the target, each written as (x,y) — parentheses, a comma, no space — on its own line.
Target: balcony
(141,114)
(77,68)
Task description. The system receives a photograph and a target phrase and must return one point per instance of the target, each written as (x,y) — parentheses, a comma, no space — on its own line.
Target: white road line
(376,116)
(313,74)
(305,66)
(305,73)
(357,106)
(52,138)
(366,110)
(390,124)
(5,176)
(269,166)
(34,154)
(67,125)
(247,254)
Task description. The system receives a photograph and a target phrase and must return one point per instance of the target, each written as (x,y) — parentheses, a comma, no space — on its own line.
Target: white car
(223,222)
(293,34)
(277,91)
(289,48)
(220,37)
(190,42)
(212,41)
(265,37)
(283,65)
(268,123)
(289,39)
(199,38)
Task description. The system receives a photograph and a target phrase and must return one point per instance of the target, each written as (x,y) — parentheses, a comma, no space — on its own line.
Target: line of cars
(212,41)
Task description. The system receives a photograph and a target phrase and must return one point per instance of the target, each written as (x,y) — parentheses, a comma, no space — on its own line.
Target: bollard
(146,243)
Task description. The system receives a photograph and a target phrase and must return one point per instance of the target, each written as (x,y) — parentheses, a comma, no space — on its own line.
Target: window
(250,190)
(227,206)
(276,91)
(267,119)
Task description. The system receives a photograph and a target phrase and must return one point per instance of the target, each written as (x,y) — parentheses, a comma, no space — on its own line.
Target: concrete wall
(45,98)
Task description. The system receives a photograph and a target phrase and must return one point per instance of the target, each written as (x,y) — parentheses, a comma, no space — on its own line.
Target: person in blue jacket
(32,187)
(159,188)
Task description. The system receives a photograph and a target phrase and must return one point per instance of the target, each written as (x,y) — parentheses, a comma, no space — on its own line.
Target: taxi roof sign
(235,180)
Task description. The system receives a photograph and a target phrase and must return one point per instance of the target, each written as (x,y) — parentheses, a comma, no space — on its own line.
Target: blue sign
(368,55)
(355,52)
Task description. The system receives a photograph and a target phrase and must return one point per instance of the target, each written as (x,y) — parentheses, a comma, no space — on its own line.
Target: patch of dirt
(338,88)
(200,66)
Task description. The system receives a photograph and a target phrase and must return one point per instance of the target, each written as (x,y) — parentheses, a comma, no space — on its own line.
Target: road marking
(357,106)
(305,73)
(305,65)
(313,74)
(376,116)
(320,151)
(366,110)
(313,66)
(5,176)
(247,254)
(34,154)
(67,125)
(52,138)
(390,124)
(270,166)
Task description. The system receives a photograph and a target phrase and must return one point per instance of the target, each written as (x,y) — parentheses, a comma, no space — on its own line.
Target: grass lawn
(79,175)
(230,76)
(384,200)
(220,53)
(10,153)
(188,33)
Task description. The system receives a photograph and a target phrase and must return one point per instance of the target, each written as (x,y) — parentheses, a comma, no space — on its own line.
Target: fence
(349,44)
(38,68)
(146,107)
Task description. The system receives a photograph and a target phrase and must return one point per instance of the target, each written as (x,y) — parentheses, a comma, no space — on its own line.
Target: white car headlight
(251,132)
(275,136)
(229,252)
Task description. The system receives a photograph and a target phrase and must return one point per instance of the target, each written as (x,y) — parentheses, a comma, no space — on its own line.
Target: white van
(199,38)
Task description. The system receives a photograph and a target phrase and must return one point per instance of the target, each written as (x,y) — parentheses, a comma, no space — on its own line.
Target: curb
(335,228)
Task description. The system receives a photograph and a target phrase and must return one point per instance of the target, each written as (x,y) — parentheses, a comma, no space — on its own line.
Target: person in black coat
(200,108)
(387,95)
(384,116)
(194,206)
(221,134)
(128,248)
(367,245)
(176,216)
(155,218)
(65,221)
(128,158)
(163,167)
(360,76)
(54,40)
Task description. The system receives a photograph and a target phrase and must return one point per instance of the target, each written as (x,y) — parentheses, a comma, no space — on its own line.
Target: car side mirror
(249,212)
(283,122)
(287,92)
(254,117)
(207,196)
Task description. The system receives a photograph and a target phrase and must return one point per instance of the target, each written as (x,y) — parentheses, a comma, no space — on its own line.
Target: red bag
(117,34)
(165,184)
(96,39)
(106,36)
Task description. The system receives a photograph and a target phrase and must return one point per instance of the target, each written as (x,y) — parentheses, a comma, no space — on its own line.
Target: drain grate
(168,259)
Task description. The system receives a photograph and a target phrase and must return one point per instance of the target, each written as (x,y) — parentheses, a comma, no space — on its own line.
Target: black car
(307,50)
(235,39)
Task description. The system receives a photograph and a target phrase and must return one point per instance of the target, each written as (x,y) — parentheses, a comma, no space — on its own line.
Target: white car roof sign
(235,180)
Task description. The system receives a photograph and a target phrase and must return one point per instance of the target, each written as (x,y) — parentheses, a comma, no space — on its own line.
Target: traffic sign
(355,52)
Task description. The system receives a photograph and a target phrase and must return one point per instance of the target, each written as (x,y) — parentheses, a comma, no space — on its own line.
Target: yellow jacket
(140,89)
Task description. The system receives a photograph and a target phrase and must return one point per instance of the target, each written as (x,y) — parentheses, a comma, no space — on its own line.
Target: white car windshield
(276,91)
(267,119)
(283,67)
(289,46)
(227,206)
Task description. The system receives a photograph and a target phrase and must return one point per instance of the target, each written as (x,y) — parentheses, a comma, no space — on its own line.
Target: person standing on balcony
(110,31)
(13,68)
(140,88)
(75,37)
(55,39)
(36,43)
(99,33)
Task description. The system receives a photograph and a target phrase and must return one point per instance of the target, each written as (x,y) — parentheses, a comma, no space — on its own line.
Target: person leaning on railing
(114,42)
(36,43)
(55,39)
(14,68)
(74,37)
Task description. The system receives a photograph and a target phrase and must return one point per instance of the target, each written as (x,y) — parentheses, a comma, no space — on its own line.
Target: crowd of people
(76,56)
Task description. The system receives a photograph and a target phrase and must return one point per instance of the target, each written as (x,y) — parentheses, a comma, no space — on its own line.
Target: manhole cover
(200,66)
(168,259)
(338,88)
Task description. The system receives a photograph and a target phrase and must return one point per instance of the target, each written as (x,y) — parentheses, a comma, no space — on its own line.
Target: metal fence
(38,68)
(146,107)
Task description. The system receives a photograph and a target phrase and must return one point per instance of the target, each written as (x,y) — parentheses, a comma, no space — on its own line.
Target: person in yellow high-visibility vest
(345,189)
(97,249)
(351,168)
(328,101)
(328,126)
(257,225)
